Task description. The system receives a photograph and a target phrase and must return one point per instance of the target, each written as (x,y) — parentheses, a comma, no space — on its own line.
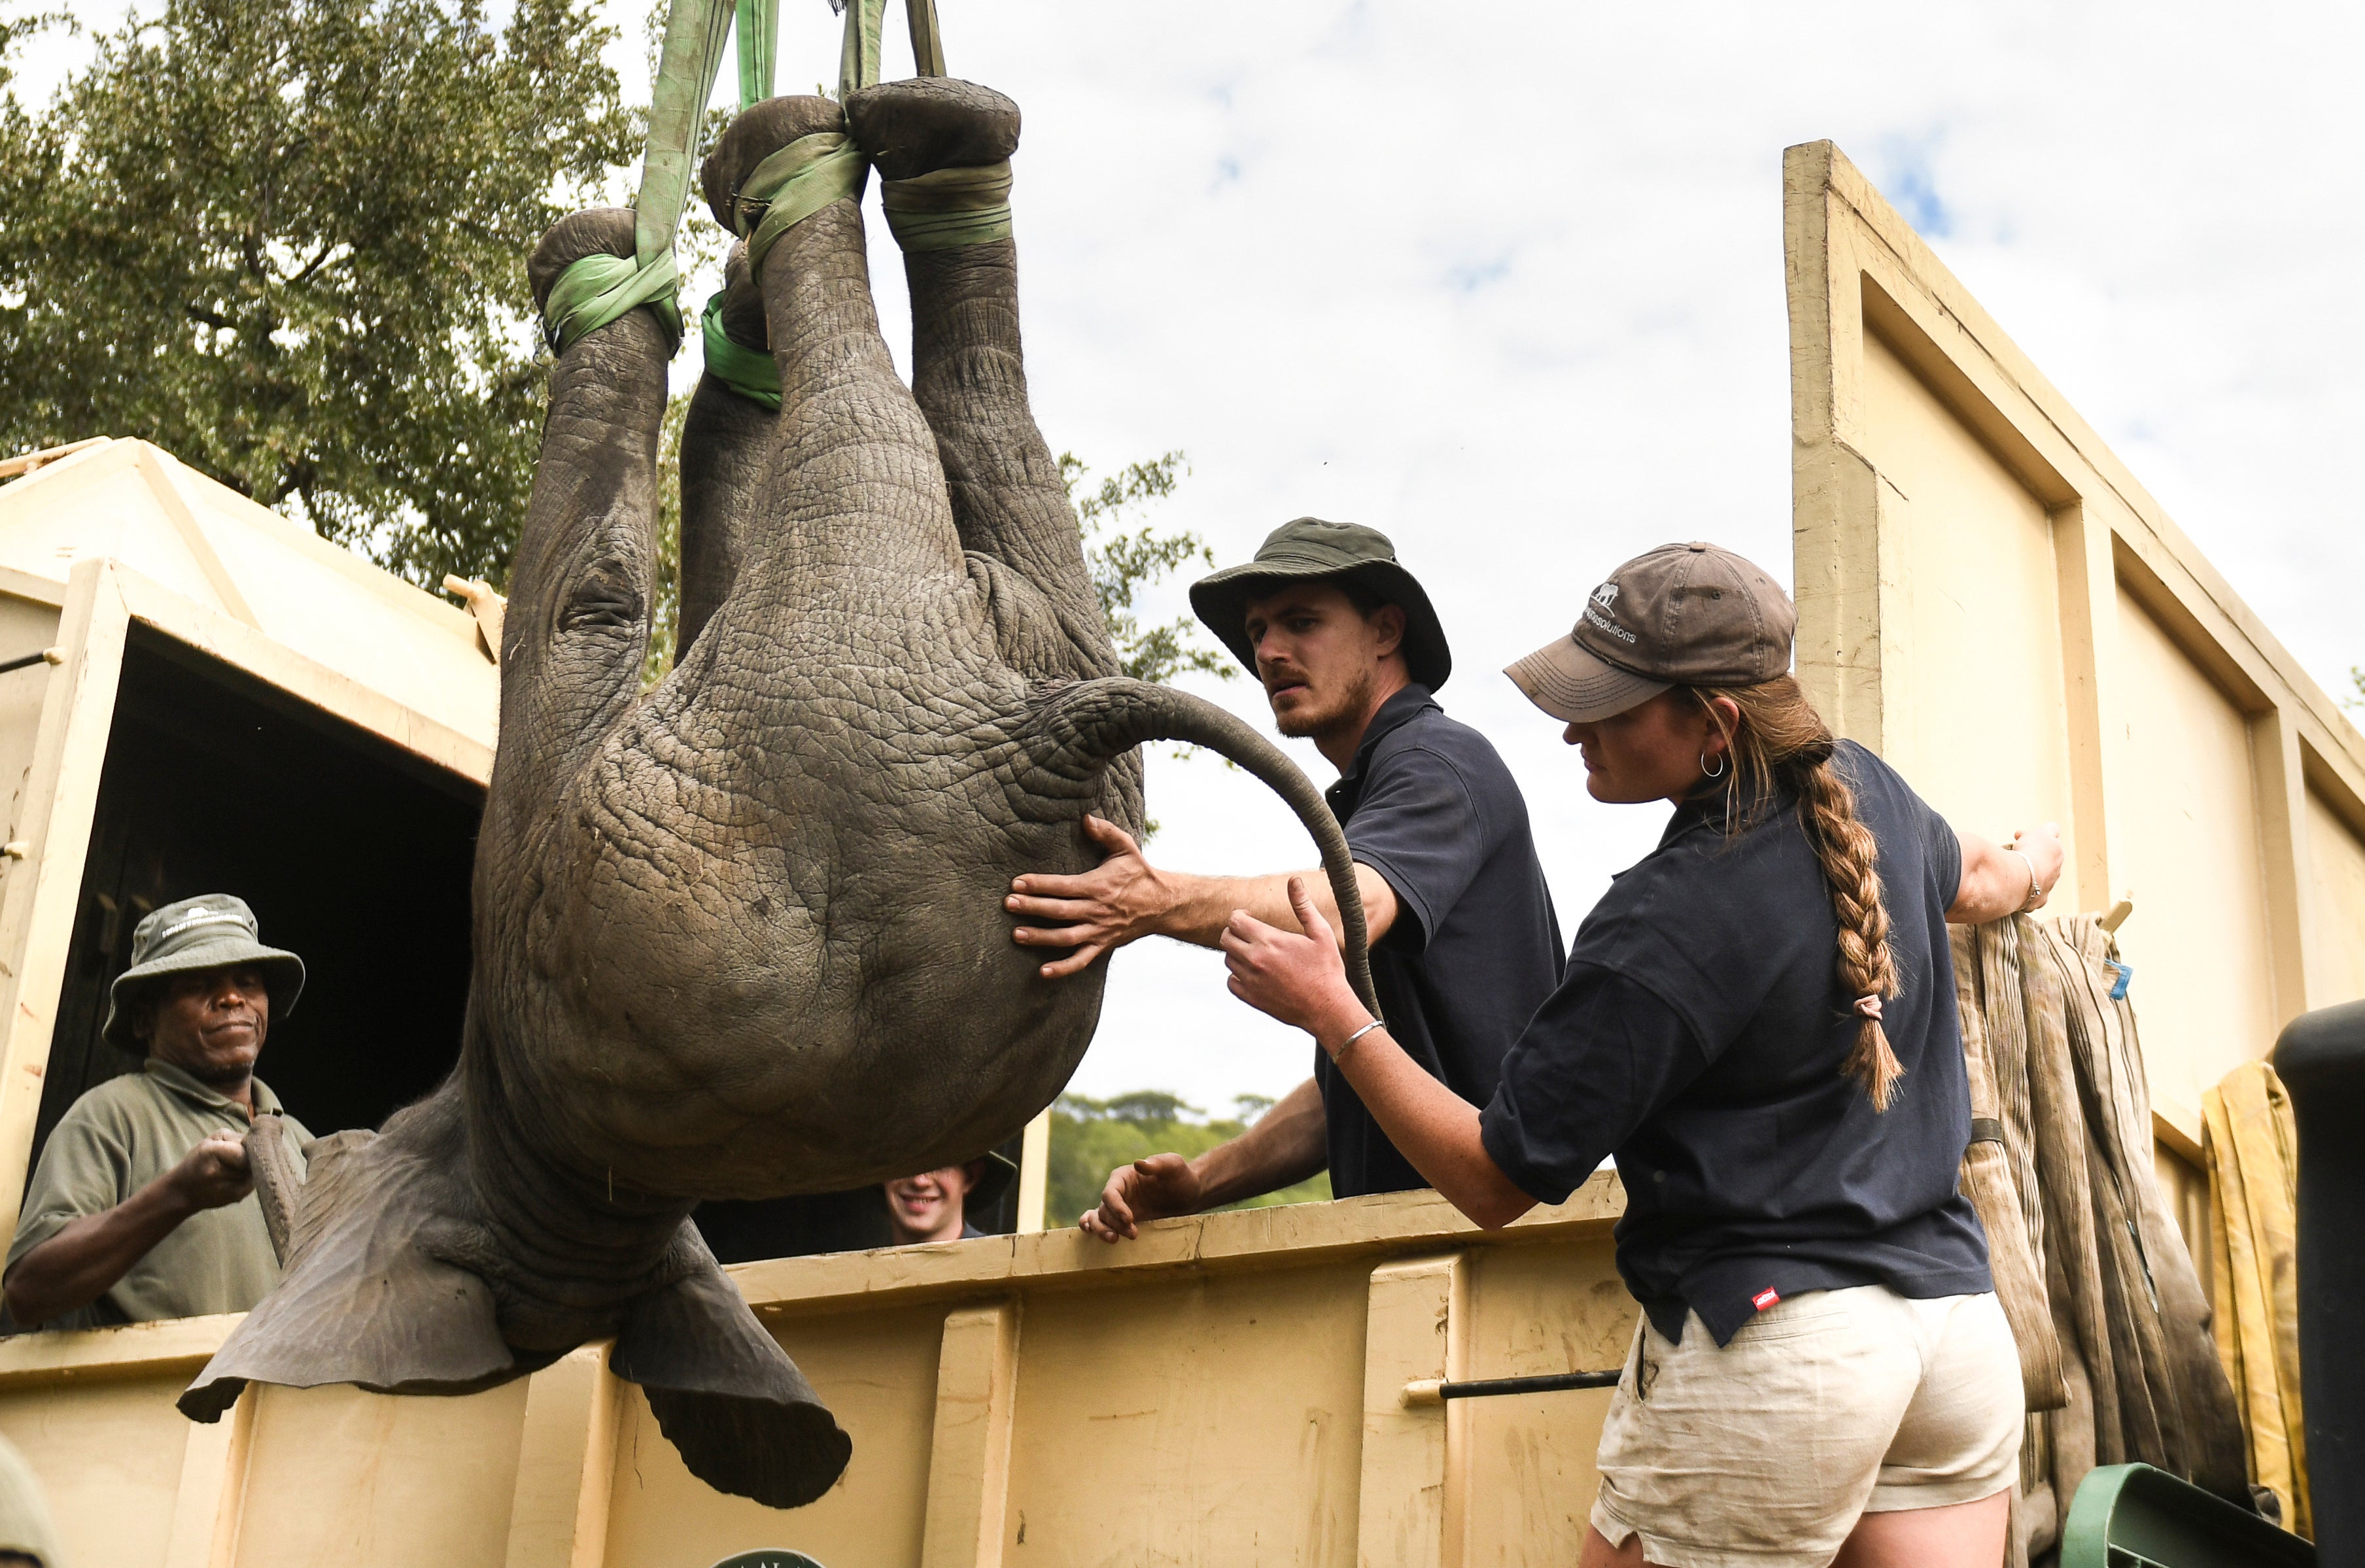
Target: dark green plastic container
(2132,1516)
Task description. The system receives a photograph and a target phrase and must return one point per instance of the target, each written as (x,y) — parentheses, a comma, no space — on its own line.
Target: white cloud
(1507,282)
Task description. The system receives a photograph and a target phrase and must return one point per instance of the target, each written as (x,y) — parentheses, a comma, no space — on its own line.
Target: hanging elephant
(742,935)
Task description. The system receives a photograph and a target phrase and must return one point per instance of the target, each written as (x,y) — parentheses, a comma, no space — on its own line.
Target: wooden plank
(176,507)
(1380,1225)
(1409,1512)
(566,1464)
(132,1350)
(210,1508)
(319,686)
(38,892)
(29,462)
(969,1457)
(1034,1175)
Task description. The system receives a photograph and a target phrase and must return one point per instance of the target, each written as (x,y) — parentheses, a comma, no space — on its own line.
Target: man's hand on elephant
(1160,1187)
(1117,901)
(1300,980)
(214,1174)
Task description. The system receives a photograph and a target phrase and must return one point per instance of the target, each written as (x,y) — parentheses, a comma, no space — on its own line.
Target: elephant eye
(606,597)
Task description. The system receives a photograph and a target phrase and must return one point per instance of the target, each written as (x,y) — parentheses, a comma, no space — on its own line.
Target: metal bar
(28,661)
(1435,1391)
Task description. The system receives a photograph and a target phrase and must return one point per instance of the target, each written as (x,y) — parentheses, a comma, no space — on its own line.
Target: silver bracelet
(2036,890)
(1353,1037)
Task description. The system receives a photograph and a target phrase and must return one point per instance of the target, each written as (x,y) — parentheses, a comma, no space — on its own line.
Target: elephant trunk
(1086,725)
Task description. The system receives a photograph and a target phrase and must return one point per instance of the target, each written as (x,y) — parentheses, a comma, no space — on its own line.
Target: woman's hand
(1300,980)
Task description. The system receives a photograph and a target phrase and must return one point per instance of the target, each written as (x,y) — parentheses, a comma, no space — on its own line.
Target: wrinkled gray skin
(742,936)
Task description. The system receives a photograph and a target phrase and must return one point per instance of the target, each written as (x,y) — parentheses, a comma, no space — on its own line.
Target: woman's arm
(1996,878)
(1300,980)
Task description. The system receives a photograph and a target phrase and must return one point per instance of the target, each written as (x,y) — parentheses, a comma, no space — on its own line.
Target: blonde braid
(1781,739)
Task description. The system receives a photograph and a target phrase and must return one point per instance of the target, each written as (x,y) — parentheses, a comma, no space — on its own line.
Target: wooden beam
(39,894)
(1410,1512)
(566,1464)
(969,1457)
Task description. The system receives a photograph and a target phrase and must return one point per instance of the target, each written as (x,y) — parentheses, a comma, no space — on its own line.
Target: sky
(1506,283)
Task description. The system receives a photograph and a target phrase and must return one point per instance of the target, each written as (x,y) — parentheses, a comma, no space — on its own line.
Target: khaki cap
(1681,615)
(215,932)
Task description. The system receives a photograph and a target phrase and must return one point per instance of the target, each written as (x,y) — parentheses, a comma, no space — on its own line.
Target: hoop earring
(1720,767)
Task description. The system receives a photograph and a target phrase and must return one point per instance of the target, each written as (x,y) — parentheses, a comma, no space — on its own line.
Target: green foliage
(664,608)
(2357,680)
(285,240)
(1125,562)
(1091,1137)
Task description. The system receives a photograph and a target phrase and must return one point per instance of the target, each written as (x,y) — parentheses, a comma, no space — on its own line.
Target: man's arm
(1124,898)
(1288,1143)
(82,1261)
(1995,879)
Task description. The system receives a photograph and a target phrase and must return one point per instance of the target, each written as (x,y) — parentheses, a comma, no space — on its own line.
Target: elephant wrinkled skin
(742,936)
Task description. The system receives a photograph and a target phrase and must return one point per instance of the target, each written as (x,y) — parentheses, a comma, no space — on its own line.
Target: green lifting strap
(600,288)
(759,41)
(795,182)
(751,374)
(948,208)
(858,59)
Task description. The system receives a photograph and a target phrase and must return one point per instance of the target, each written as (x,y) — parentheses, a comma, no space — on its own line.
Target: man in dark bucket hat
(142,1207)
(1464,945)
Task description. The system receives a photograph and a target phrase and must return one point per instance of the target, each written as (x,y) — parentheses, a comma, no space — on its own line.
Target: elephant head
(741,935)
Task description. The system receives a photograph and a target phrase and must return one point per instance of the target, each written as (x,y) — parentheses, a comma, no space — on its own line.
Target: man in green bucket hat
(1464,942)
(142,1207)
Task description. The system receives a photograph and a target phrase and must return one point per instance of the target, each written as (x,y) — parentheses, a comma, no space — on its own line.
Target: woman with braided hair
(1758,1022)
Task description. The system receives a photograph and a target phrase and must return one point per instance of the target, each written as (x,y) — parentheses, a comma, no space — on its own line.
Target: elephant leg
(854,501)
(969,368)
(577,625)
(726,443)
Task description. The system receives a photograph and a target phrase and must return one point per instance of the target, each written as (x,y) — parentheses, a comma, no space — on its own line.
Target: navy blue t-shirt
(1476,947)
(1700,1034)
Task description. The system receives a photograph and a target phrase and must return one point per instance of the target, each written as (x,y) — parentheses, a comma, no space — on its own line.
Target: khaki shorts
(1833,1403)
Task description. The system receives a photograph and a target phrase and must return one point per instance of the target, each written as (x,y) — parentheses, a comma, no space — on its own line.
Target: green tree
(1122,562)
(285,240)
(1091,1137)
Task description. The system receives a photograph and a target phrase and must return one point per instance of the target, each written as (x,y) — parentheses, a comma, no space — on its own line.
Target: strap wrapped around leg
(598,288)
(752,374)
(948,208)
(792,184)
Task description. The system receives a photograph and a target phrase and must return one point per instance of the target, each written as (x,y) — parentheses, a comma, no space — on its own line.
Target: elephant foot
(755,136)
(915,128)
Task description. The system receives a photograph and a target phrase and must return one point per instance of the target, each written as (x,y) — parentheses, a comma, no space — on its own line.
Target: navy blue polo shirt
(1476,947)
(1700,1035)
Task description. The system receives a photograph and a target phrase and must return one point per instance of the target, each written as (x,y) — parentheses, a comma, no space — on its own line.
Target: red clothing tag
(1764,1299)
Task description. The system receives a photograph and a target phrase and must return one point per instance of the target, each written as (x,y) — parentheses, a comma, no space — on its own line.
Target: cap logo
(1595,618)
(201,917)
(1606,595)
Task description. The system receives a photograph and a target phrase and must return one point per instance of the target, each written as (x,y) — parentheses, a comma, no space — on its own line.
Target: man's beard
(1351,704)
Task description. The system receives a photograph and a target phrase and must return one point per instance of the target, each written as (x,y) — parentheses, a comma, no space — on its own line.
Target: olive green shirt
(114,1140)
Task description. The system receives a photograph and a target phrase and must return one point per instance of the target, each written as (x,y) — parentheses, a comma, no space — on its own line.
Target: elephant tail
(1085,725)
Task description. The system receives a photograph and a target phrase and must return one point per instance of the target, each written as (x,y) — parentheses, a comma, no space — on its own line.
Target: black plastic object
(2130,1516)
(1547,1382)
(2321,1058)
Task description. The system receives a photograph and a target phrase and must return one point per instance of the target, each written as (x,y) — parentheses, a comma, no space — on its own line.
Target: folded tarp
(2073,1210)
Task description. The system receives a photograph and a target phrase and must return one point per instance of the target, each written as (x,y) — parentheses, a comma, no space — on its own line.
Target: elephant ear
(724,1392)
(364,1299)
